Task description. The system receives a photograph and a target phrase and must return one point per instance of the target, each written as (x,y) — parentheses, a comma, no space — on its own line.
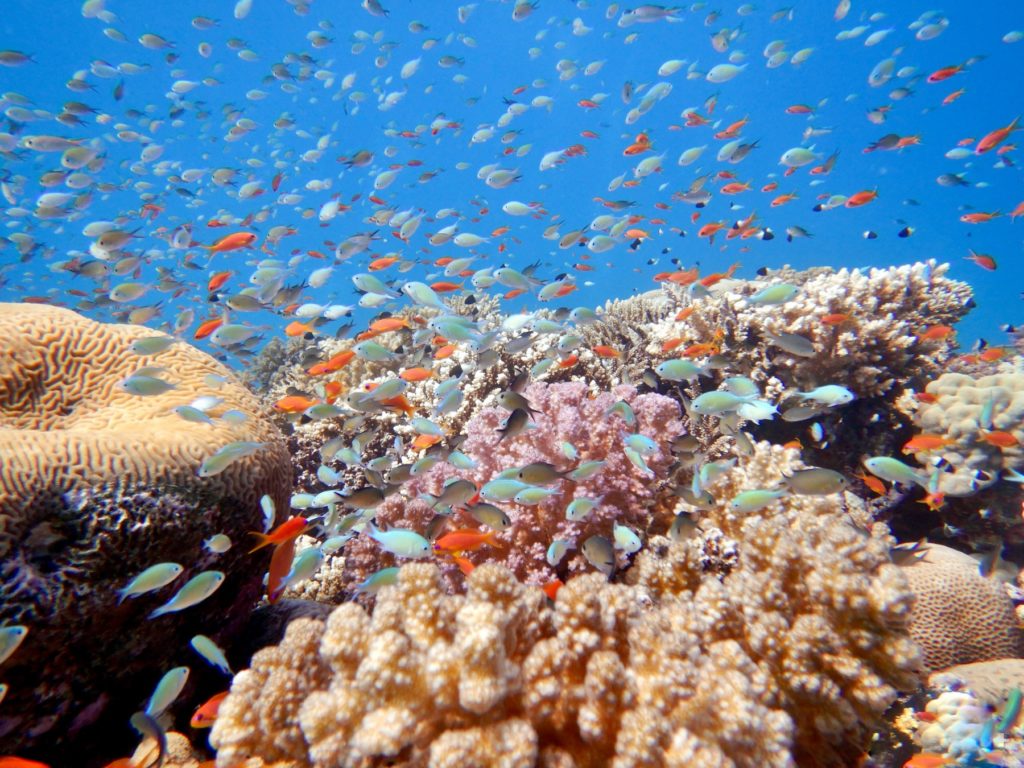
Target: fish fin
(264,539)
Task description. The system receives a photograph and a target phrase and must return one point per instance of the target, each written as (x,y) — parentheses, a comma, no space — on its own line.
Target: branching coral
(786,659)
(566,413)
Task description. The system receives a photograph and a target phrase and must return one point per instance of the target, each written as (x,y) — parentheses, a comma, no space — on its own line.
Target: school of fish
(367,175)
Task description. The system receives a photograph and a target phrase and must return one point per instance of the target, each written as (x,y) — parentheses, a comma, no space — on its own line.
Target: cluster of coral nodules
(568,419)
(788,659)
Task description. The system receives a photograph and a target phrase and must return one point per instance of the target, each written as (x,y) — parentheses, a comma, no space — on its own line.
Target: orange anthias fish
(945,73)
(465,540)
(218,280)
(280,565)
(873,483)
(983,260)
(602,350)
(10,761)
(936,332)
(980,217)
(295,403)
(1000,439)
(287,531)
(928,760)
(640,144)
(861,198)
(232,242)
(925,442)
(205,329)
(388,324)
(416,374)
(335,363)
(206,713)
(991,140)
(551,588)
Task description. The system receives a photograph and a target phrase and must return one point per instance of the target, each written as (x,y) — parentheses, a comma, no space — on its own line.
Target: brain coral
(565,412)
(788,658)
(97,485)
(957,414)
(960,617)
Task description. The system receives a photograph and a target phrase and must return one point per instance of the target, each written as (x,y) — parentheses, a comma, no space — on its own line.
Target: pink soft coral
(566,412)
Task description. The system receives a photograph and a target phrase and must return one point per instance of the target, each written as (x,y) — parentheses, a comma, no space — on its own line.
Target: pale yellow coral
(786,659)
(957,415)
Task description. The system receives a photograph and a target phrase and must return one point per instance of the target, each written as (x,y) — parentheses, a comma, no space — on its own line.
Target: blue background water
(496,59)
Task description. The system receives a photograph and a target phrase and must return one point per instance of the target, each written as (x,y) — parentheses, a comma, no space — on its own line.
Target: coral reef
(99,484)
(959,616)
(784,655)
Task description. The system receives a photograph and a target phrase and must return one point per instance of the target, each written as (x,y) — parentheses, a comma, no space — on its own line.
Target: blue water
(501,60)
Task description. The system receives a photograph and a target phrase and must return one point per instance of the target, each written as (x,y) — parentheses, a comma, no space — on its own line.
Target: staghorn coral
(99,484)
(956,415)
(960,617)
(566,412)
(785,656)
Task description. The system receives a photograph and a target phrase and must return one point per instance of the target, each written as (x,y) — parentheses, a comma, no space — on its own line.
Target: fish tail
(264,539)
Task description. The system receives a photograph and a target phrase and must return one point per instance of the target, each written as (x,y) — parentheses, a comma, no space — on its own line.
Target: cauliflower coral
(788,658)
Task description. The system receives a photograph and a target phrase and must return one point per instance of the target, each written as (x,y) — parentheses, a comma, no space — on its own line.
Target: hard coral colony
(743,519)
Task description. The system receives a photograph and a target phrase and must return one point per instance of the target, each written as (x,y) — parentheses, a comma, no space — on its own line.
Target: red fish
(983,260)
(233,242)
(861,198)
(945,73)
(287,531)
(218,280)
(207,712)
(280,565)
(990,140)
(20,762)
(465,540)
(980,217)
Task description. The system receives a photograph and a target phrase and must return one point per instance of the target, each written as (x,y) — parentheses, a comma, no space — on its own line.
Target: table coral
(788,658)
(99,484)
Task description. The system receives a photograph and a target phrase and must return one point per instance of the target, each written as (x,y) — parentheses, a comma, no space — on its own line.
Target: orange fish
(926,397)
(990,140)
(443,286)
(232,242)
(416,374)
(837,318)
(205,329)
(20,762)
(936,332)
(709,229)
(992,354)
(465,540)
(388,324)
(569,361)
(444,352)
(335,363)
(934,501)
(716,277)
(925,442)
(798,109)
(399,403)
(701,350)
(422,442)
(783,199)
(945,73)
(980,217)
(289,530)
(207,712)
(332,389)
(218,280)
(685,312)
(861,198)
(295,328)
(927,760)
(735,187)
(953,97)
(640,144)
(1000,439)
(983,260)
(873,483)
(551,588)
(382,263)
(1018,211)
(465,565)
(280,565)
(295,403)
(602,350)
